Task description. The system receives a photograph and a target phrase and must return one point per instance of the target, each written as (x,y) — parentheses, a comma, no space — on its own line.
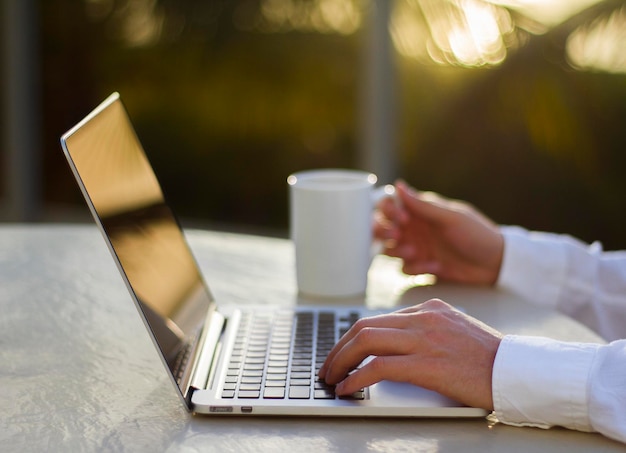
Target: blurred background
(518,106)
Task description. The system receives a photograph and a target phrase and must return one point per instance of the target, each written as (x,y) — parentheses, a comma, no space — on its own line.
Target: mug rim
(360,178)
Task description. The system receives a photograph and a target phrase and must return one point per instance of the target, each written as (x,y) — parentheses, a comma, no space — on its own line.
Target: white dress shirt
(542,382)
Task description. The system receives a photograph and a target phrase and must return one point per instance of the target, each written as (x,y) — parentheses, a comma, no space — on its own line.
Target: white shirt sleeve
(568,275)
(543,382)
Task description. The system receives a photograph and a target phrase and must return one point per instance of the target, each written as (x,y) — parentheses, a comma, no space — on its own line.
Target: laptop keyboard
(279,356)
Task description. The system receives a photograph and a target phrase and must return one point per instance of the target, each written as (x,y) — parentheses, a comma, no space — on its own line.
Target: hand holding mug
(439,236)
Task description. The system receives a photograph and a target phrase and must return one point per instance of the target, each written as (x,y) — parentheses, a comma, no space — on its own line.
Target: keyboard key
(254,360)
(300,382)
(297,392)
(277,363)
(301,362)
(251,379)
(257,344)
(274,392)
(325,346)
(360,395)
(275,383)
(228,394)
(276,376)
(254,366)
(319,384)
(324,394)
(300,375)
(248,394)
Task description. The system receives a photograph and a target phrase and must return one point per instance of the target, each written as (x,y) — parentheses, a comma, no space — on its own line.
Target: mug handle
(386,191)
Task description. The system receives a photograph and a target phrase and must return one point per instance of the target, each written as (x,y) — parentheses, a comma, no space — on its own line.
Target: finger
(411,309)
(385,230)
(413,263)
(343,341)
(392,211)
(429,305)
(403,250)
(427,205)
(392,368)
(389,321)
(367,342)
(387,207)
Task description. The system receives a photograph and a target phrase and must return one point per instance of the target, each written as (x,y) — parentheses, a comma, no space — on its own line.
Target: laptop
(222,359)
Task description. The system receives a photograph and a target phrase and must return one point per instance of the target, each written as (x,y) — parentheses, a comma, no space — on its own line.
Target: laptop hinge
(209,341)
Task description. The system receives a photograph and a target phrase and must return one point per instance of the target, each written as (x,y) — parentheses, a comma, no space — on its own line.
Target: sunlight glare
(482,21)
(322,16)
(547,12)
(461,32)
(143,23)
(341,16)
(409,33)
(600,45)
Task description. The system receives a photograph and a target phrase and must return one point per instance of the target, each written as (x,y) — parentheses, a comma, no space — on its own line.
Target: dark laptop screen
(127,202)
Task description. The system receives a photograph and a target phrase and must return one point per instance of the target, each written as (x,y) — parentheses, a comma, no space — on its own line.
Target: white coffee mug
(331,227)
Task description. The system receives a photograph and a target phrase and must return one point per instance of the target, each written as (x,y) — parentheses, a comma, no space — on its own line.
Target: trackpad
(403,394)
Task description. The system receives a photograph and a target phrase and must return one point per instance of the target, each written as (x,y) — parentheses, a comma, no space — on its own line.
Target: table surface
(78,371)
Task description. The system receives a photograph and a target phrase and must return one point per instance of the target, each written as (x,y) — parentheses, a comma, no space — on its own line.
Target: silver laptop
(221,359)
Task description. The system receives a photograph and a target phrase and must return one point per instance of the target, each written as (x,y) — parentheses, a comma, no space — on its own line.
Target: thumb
(429,206)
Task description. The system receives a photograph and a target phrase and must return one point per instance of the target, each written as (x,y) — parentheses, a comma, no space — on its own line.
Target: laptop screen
(127,202)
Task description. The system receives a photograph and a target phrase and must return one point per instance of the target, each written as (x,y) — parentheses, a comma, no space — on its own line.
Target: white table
(78,372)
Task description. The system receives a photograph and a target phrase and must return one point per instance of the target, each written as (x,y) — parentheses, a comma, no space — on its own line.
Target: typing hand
(431,345)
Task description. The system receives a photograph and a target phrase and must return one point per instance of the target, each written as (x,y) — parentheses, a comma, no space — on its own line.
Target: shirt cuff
(542,382)
(534,265)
